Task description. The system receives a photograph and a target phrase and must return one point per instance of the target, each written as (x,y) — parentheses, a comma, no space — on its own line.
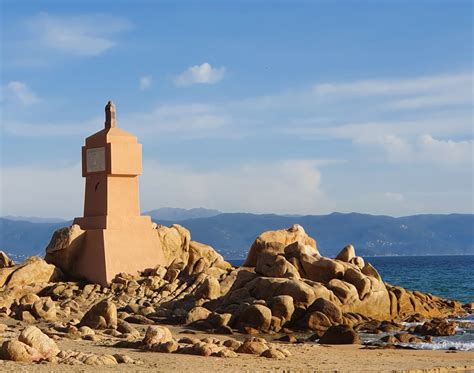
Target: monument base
(109,251)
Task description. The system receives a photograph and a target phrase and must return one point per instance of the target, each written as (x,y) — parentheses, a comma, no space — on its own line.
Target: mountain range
(233,233)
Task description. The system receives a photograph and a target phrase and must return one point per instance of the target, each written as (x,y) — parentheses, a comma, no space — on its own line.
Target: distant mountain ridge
(178,214)
(232,233)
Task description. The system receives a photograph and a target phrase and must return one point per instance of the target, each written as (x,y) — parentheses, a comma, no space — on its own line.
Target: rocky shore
(286,298)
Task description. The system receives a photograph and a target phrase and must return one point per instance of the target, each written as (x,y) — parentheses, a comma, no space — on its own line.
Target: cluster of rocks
(160,339)
(285,286)
(32,345)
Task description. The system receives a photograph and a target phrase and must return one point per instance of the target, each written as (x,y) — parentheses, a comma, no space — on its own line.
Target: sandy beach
(308,357)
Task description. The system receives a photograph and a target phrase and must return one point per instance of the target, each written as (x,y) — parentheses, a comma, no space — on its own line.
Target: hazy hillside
(23,238)
(232,234)
(372,235)
(177,214)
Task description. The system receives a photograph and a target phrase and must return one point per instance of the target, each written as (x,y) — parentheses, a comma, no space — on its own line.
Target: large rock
(18,351)
(196,314)
(202,256)
(35,338)
(33,271)
(340,335)
(284,236)
(328,308)
(268,287)
(102,315)
(209,289)
(275,266)
(255,316)
(174,242)
(5,261)
(64,248)
(44,309)
(157,334)
(346,254)
(282,307)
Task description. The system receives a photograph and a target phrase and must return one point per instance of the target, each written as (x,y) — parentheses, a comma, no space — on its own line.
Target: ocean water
(450,277)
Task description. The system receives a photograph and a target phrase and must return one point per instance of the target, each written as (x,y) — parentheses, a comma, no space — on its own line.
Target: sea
(448,276)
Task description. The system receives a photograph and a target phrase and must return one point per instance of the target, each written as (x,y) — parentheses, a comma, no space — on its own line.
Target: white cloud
(395,87)
(291,186)
(446,152)
(200,74)
(426,149)
(21,92)
(80,35)
(145,82)
(395,197)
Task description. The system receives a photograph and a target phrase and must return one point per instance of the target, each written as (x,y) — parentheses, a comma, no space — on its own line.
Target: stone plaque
(95,158)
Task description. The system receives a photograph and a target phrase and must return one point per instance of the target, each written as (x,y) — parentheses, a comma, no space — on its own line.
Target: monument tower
(117,238)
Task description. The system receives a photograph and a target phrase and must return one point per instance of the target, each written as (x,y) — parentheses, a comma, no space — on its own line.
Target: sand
(308,357)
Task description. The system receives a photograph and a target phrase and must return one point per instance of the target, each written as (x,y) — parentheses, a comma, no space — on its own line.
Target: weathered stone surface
(436,327)
(157,334)
(275,266)
(35,338)
(265,288)
(273,353)
(255,316)
(284,236)
(64,248)
(19,351)
(209,289)
(125,328)
(196,314)
(175,242)
(101,315)
(5,261)
(165,347)
(328,308)
(282,307)
(340,334)
(33,271)
(316,321)
(44,309)
(346,254)
(202,256)
(254,346)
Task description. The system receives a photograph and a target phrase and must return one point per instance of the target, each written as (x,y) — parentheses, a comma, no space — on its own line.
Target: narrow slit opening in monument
(97,186)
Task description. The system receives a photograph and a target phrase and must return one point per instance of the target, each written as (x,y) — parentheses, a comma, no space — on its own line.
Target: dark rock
(340,334)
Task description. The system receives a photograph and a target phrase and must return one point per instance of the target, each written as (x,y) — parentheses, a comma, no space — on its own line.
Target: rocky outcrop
(33,271)
(102,315)
(32,345)
(174,242)
(5,261)
(275,241)
(65,247)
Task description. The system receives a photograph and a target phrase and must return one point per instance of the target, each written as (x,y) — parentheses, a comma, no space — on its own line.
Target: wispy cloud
(78,35)
(20,92)
(145,82)
(394,87)
(200,74)
(249,187)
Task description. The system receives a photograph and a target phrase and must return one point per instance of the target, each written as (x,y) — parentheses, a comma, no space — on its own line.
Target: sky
(290,107)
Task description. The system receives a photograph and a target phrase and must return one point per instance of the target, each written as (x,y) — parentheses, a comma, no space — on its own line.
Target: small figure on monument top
(109,115)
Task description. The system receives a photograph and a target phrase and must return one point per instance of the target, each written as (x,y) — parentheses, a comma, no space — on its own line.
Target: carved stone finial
(110,115)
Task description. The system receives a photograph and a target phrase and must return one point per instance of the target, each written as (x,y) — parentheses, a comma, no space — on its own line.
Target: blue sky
(285,107)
